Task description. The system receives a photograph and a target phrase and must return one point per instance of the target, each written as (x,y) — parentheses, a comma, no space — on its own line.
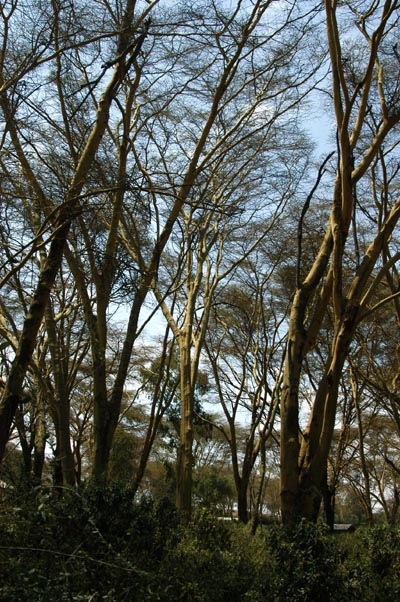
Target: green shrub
(303,565)
(212,562)
(100,544)
(86,544)
(371,563)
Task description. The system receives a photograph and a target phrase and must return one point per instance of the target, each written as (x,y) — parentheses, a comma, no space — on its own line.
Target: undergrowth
(98,544)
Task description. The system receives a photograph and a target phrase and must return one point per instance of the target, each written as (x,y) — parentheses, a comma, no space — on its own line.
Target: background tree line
(192,299)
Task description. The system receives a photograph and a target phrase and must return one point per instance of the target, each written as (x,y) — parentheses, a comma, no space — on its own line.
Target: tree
(184,186)
(62,218)
(218,196)
(244,347)
(366,107)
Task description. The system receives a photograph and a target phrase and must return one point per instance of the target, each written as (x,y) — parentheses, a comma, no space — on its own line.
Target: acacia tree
(62,216)
(149,125)
(216,132)
(367,400)
(156,132)
(201,258)
(221,232)
(374,378)
(366,106)
(244,347)
(159,381)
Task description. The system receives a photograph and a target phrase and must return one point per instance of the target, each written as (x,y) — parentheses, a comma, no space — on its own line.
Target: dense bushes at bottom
(100,545)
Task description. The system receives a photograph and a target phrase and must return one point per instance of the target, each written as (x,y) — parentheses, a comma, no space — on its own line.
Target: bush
(303,565)
(99,544)
(371,561)
(212,562)
(93,543)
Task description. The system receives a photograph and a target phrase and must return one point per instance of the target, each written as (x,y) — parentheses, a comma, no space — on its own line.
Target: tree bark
(39,440)
(185,452)
(243,511)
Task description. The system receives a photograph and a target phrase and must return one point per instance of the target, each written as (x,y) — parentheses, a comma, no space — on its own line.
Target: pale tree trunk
(304,458)
(363,461)
(190,345)
(315,446)
(185,452)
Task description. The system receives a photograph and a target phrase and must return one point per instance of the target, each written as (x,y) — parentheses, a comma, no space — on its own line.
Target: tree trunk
(39,441)
(243,512)
(101,416)
(61,402)
(26,448)
(289,440)
(363,461)
(261,489)
(185,453)
(66,456)
(12,392)
(328,495)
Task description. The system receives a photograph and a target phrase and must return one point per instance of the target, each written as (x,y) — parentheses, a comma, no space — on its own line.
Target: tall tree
(244,347)
(365,102)
(217,132)
(129,42)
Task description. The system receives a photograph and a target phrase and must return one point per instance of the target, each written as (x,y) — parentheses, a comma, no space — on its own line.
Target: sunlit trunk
(40,436)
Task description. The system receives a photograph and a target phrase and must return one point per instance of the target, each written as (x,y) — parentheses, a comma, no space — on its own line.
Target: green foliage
(303,565)
(94,542)
(211,562)
(212,489)
(101,544)
(123,454)
(371,559)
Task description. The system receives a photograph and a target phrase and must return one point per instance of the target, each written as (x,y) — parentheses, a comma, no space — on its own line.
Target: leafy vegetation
(100,544)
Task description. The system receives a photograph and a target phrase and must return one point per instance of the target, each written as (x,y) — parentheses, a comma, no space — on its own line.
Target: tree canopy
(195,294)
